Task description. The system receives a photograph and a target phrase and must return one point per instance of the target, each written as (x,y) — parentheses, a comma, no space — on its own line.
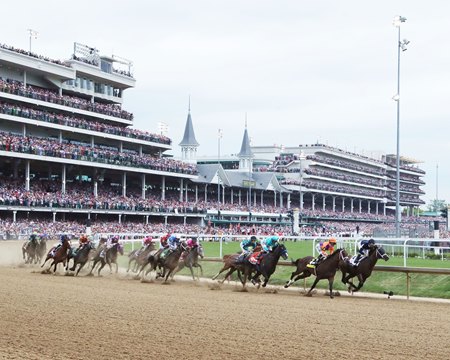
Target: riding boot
(357,260)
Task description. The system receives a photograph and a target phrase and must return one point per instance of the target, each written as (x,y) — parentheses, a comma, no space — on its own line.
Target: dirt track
(61,317)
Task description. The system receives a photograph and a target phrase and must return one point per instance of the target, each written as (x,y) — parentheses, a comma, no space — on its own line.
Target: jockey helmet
(371,242)
(253,238)
(332,241)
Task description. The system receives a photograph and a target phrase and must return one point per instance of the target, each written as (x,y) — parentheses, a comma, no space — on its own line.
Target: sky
(300,71)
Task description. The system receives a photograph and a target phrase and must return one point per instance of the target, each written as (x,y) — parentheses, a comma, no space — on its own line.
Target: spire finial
(189,107)
(246,120)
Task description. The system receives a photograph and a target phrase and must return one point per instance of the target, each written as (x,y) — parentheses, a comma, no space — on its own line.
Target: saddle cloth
(253,259)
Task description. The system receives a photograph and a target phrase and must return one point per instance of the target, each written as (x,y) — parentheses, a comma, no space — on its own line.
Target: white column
(14,215)
(95,188)
(196,193)
(27,175)
(54,216)
(181,189)
(143,186)
(63,179)
(289,201)
(24,130)
(313,199)
(120,218)
(360,206)
(92,141)
(124,184)
(343,204)
(351,205)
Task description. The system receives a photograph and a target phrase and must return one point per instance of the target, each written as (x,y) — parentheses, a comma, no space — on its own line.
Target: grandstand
(69,153)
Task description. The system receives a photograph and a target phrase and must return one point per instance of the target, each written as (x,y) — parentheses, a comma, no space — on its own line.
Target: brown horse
(80,257)
(58,254)
(268,263)
(105,256)
(234,262)
(167,264)
(139,257)
(363,270)
(189,259)
(325,270)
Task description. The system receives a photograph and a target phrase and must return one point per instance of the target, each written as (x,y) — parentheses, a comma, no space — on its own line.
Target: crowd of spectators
(15,87)
(341,188)
(33,55)
(85,152)
(347,164)
(72,121)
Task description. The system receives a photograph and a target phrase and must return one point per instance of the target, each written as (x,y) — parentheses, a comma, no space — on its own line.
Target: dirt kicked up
(115,317)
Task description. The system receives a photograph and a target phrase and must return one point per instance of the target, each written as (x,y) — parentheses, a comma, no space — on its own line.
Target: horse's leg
(225,267)
(192,271)
(330,286)
(230,271)
(313,286)
(201,269)
(101,267)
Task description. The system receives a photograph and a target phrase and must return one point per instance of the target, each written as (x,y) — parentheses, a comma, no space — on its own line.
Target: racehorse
(324,270)
(139,257)
(267,264)
(81,257)
(29,251)
(58,255)
(167,264)
(190,260)
(109,257)
(363,270)
(41,249)
(232,263)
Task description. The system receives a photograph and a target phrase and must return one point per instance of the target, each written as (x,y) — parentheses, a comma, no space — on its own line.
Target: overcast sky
(303,71)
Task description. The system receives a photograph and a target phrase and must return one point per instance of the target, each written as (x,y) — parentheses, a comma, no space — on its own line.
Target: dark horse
(325,270)
(167,264)
(109,257)
(267,265)
(189,259)
(58,255)
(41,249)
(81,257)
(139,257)
(363,270)
(29,251)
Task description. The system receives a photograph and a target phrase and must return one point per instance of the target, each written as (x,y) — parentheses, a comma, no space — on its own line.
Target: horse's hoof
(90,274)
(286,286)
(308,294)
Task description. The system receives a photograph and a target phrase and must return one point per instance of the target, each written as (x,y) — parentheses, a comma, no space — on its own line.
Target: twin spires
(189,145)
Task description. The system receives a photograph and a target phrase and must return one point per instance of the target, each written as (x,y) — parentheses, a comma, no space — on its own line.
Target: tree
(436,205)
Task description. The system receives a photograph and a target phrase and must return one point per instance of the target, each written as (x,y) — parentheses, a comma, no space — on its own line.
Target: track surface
(62,317)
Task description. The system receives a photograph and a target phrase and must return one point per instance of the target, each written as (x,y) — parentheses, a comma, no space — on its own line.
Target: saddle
(255,258)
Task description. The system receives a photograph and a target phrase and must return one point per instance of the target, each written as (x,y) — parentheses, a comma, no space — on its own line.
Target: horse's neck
(373,258)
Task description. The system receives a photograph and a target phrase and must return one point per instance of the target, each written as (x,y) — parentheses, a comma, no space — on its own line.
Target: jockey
(324,249)
(109,244)
(172,244)
(247,247)
(146,242)
(363,250)
(269,243)
(191,243)
(163,241)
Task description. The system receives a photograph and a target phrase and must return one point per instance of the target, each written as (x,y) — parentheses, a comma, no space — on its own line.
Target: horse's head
(200,251)
(282,251)
(381,253)
(120,248)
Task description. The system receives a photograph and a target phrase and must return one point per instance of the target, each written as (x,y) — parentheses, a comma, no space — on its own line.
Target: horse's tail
(294,262)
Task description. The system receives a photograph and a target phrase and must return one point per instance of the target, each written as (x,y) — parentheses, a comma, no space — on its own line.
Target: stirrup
(311,266)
